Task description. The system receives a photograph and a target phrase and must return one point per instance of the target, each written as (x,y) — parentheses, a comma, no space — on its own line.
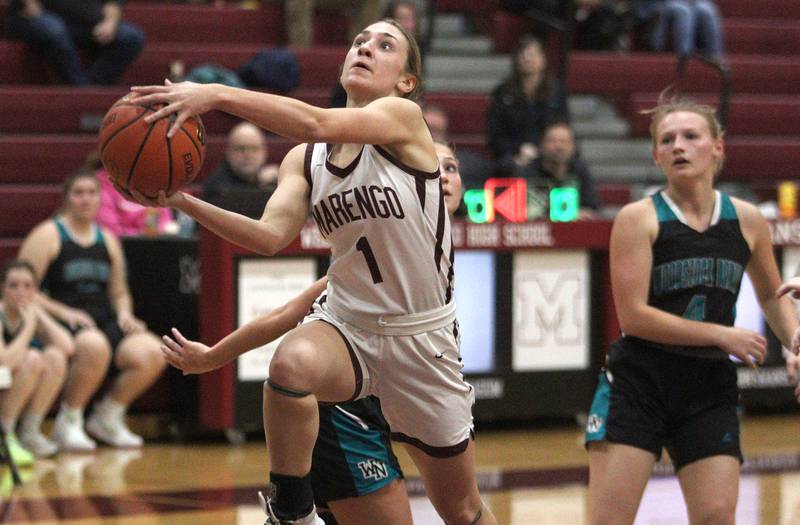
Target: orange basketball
(138,155)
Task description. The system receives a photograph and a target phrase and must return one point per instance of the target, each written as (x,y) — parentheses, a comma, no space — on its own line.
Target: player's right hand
(190,356)
(793,373)
(746,345)
(78,319)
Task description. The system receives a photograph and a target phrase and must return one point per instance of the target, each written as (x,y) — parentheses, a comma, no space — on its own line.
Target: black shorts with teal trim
(652,399)
(353,454)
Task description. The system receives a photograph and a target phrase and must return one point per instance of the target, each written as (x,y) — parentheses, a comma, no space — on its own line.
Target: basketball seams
(191,139)
(124,126)
(140,157)
(138,154)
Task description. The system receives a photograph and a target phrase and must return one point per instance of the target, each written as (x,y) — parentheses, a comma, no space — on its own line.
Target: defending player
(677,260)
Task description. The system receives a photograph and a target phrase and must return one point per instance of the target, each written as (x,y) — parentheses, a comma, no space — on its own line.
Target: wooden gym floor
(535,476)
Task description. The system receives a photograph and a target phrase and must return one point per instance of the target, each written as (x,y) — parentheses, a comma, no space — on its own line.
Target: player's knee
(466,515)
(93,345)
(290,368)
(34,362)
(56,362)
(720,512)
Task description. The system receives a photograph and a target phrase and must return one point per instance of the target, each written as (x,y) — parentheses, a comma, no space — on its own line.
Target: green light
(564,204)
(476,205)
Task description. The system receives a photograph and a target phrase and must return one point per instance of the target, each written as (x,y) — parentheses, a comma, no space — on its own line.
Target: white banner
(551,310)
(265,284)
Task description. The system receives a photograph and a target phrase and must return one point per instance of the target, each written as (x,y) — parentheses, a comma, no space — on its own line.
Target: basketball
(138,155)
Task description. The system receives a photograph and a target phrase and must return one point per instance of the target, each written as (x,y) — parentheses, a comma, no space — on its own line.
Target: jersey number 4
(696,311)
(363,246)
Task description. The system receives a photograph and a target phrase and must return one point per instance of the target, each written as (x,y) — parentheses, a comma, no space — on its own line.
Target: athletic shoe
(310,519)
(68,433)
(110,428)
(37,443)
(21,456)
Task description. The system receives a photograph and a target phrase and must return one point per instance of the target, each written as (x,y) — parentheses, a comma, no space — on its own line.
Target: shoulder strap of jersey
(307,164)
(664,212)
(63,233)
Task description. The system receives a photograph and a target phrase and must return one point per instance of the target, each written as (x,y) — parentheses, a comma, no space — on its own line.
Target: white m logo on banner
(551,328)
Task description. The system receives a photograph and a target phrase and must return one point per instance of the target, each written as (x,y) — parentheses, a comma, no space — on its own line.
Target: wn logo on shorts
(373,469)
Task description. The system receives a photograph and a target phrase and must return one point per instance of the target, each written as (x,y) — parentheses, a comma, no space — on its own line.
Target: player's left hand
(793,373)
(190,356)
(185,99)
(130,324)
(795,348)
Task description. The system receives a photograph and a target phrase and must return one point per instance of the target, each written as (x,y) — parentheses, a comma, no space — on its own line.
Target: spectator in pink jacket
(123,217)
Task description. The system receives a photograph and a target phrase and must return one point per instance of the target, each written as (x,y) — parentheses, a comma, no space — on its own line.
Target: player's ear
(407,83)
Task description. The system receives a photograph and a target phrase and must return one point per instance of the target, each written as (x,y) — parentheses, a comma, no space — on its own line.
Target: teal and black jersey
(696,275)
(80,275)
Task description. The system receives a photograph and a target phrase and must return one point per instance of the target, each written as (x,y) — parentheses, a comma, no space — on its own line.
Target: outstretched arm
(196,358)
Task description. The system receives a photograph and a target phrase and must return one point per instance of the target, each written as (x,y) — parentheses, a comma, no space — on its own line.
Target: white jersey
(389,231)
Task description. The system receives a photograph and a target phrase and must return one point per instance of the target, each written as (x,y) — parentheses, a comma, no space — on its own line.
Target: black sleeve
(499,127)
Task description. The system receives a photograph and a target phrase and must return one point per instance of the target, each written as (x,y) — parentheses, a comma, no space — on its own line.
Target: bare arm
(195,358)
(632,237)
(13,353)
(51,332)
(388,120)
(763,272)
(283,218)
(119,295)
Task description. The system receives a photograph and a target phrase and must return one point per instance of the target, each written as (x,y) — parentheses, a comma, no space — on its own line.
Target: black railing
(724,72)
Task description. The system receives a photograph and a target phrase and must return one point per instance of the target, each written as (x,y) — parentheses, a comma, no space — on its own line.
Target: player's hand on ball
(190,356)
(792,287)
(185,99)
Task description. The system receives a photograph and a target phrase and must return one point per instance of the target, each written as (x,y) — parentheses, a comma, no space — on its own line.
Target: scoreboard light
(509,198)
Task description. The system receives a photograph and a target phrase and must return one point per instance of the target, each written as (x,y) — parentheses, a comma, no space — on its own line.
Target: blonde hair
(666,106)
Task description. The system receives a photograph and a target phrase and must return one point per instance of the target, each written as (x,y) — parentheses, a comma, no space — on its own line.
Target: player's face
(83,198)
(684,146)
(451,177)
(375,64)
(18,288)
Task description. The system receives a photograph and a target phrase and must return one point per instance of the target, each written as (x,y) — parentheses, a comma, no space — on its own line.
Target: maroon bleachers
(41,109)
(748,114)
(204,24)
(25,205)
(320,65)
(776,9)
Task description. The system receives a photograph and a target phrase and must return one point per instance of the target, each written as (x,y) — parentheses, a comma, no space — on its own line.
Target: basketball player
(677,260)
(352,436)
(386,325)
(83,275)
(35,349)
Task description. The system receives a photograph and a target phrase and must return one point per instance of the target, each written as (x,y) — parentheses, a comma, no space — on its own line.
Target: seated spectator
(35,348)
(598,24)
(474,169)
(299,16)
(521,106)
(58,29)
(121,216)
(558,165)
(696,25)
(125,218)
(244,166)
(84,286)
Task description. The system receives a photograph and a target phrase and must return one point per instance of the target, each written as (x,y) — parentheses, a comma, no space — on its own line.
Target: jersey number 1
(363,246)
